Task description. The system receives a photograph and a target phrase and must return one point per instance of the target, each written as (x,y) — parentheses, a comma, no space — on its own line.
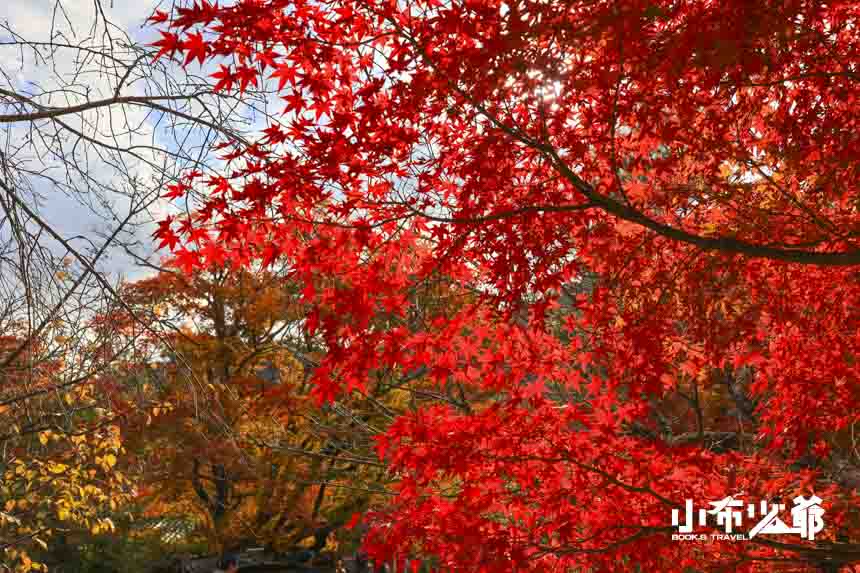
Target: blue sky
(78,22)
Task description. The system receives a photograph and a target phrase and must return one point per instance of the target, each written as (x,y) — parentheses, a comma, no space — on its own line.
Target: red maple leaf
(225,78)
(195,48)
(285,72)
(168,45)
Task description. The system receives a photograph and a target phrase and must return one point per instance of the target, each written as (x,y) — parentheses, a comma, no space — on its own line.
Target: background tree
(91,130)
(61,443)
(236,445)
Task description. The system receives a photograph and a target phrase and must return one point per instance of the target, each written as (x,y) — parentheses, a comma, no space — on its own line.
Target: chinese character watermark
(806,519)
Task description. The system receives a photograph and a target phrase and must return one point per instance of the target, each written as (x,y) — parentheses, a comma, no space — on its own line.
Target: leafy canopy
(655,206)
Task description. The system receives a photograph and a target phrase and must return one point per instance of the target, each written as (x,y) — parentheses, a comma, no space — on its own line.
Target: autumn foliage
(653,209)
(232,448)
(59,472)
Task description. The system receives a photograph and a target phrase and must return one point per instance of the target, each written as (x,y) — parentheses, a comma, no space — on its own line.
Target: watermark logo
(806,519)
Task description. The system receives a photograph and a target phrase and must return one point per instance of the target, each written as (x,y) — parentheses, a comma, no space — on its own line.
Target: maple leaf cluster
(649,212)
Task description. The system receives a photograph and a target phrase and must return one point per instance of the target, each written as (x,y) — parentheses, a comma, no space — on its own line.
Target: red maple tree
(653,205)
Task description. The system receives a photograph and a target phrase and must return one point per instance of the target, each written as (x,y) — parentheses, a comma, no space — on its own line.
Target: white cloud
(58,74)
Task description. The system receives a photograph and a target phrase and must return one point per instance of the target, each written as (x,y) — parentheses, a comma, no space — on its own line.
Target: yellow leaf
(110,460)
(56,468)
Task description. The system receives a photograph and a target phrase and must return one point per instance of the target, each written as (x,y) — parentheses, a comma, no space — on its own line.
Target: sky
(80,23)
(85,217)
